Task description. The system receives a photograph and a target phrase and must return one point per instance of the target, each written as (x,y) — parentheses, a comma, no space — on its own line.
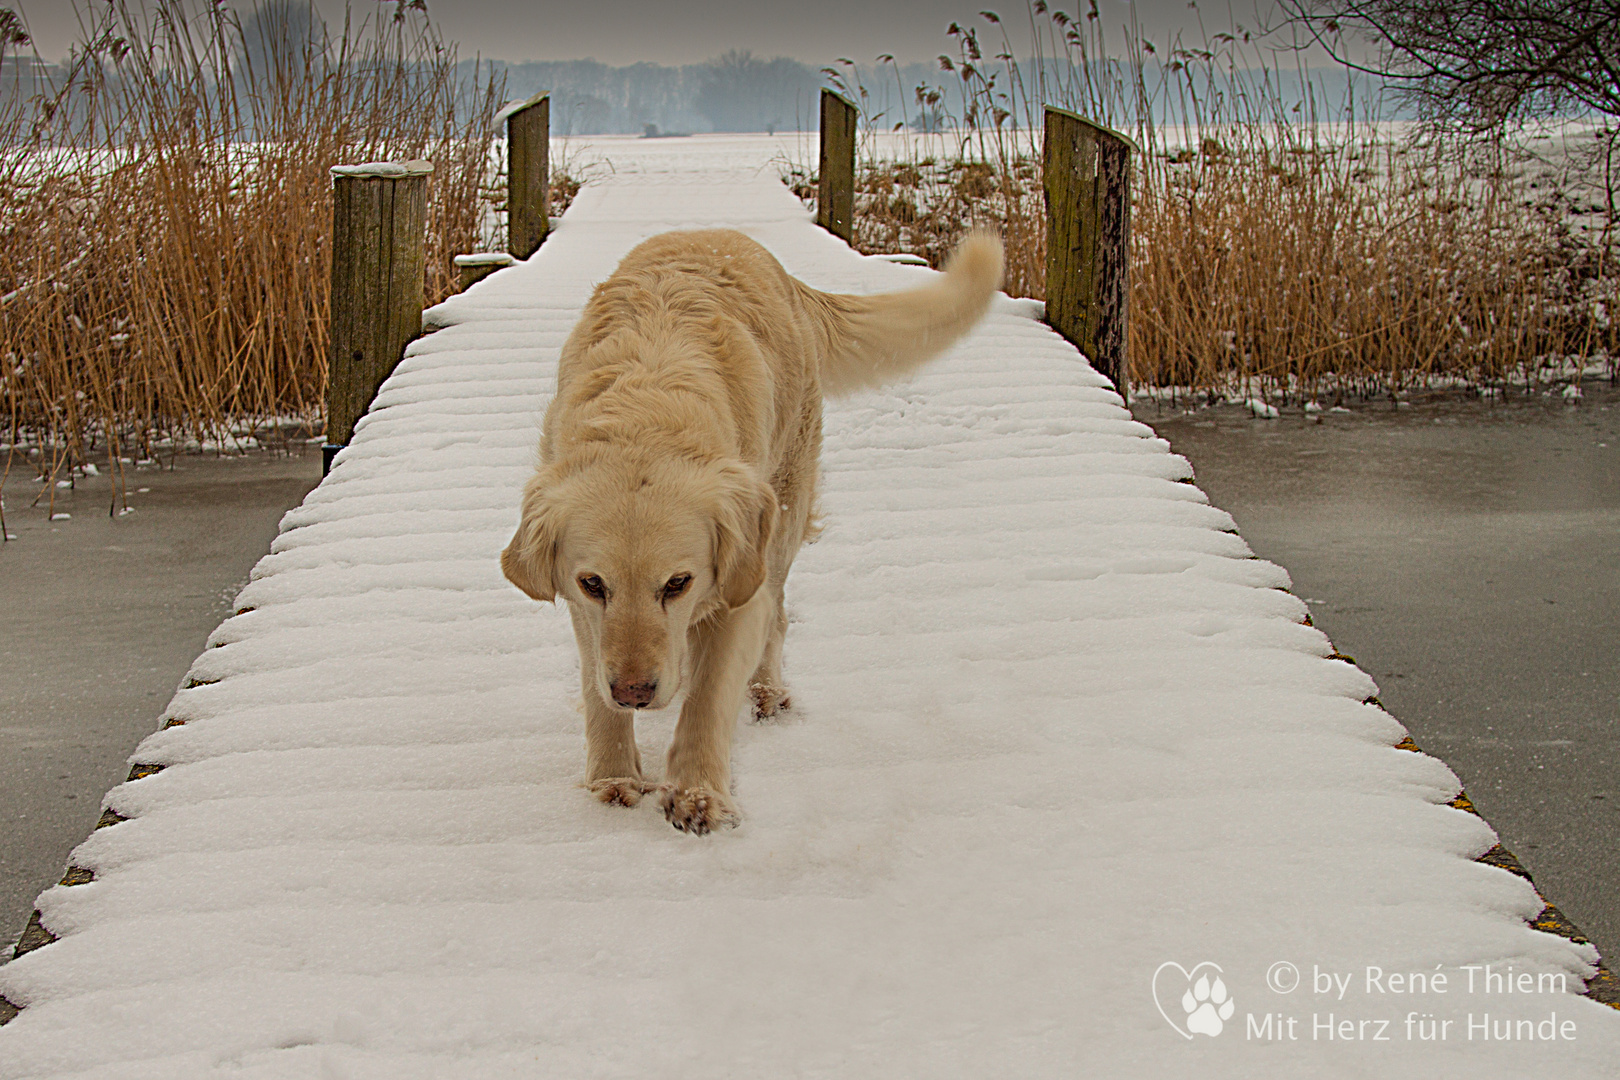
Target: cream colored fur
(678,478)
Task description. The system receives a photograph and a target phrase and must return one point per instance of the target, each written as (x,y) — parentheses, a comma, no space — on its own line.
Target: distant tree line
(736,91)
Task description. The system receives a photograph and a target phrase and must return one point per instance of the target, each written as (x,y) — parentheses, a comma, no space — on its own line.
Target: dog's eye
(677,585)
(592,586)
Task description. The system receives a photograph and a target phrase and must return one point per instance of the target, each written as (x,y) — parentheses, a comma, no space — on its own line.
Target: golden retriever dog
(677,480)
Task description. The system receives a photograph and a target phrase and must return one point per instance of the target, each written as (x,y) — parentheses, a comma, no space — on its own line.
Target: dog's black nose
(634,695)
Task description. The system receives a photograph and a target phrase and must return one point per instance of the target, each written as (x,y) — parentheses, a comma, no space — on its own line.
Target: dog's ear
(529,561)
(744,522)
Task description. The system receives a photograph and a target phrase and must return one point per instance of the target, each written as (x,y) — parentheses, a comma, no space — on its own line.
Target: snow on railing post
(1088,240)
(379,271)
(528,178)
(475,268)
(835,201)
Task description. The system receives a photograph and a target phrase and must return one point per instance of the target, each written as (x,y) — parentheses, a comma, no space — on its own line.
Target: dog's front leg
(612,759)
(697,790)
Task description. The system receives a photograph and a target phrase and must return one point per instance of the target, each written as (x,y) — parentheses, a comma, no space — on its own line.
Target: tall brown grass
(166,209)
(1298,248)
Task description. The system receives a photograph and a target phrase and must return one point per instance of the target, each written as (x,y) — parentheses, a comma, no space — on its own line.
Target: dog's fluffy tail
(877,339)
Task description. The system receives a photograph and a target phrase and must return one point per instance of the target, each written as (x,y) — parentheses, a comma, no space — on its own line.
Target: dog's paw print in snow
(1208,1006)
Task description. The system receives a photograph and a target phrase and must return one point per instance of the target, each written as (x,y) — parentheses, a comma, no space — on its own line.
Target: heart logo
(1200,998)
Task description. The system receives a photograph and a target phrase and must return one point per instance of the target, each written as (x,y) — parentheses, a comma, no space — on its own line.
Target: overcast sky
(686,31)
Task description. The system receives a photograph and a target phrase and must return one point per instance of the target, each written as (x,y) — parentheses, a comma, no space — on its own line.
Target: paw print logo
(1205,1003)
(1208,1006)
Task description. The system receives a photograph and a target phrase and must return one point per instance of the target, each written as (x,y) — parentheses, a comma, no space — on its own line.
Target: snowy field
(1069,788)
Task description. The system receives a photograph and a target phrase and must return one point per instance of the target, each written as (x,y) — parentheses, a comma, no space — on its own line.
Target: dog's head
(642,551)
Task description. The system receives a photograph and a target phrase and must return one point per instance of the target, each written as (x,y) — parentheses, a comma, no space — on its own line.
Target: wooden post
(835,202)
(528,176)
(1088,240)
(379,275)
(475,268)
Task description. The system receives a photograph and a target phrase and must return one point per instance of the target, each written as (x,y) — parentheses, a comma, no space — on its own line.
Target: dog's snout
(634,695)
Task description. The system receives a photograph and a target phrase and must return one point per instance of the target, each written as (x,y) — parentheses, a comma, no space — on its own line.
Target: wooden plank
(528,177)
(1088,221)
(835,201)
(379,279)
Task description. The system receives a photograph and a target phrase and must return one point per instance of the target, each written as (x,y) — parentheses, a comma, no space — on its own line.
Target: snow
(485,258)
(903,257)
(512,107)
(389,170)
(1261,409)
(1055,728)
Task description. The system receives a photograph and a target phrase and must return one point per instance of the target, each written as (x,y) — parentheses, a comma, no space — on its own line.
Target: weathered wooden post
(835,202)
(477,267)
(528,176)
(1088,240)
(379,275)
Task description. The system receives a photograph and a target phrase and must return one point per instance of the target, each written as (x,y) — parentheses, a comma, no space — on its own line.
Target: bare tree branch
(1480,62)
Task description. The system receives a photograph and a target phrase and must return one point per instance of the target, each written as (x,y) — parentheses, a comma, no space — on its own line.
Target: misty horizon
(741,89)
(701,30)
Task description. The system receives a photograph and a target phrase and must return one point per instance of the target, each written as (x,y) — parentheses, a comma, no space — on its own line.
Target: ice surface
(1054,729)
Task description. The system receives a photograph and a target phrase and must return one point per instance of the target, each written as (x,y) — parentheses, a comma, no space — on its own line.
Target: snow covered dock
(1069,785)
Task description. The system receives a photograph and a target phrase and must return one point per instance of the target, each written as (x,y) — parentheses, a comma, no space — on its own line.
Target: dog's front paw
(769,700)
(698,809)
(619,790)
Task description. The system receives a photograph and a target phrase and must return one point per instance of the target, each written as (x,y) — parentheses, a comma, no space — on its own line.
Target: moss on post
(1088,240)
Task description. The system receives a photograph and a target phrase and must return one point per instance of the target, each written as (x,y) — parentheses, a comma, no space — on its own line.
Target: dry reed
(1274,250)
(166,211)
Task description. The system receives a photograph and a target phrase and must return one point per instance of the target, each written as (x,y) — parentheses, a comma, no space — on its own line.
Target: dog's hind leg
(612,758)
(697,780)
(769,692)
